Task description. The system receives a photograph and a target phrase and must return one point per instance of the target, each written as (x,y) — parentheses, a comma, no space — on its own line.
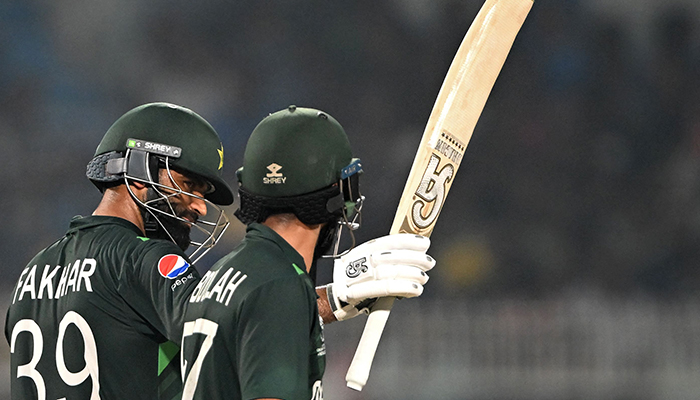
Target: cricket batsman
(253,329)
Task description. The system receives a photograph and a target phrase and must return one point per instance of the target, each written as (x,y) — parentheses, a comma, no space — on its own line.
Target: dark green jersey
(89,313)
(252,328)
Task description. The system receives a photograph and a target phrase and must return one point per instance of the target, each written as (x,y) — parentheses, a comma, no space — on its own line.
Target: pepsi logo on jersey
(172,265)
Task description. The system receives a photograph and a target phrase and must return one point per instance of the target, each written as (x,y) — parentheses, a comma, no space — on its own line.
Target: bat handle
(358,372)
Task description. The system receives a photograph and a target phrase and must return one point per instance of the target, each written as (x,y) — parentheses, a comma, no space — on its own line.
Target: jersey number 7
(208,329)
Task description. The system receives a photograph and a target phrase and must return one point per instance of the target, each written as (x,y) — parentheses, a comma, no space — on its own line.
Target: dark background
(583,174)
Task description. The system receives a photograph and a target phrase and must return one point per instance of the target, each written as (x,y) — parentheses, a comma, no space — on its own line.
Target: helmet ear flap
(112,167)
(142,166)
(335,204)
(106,169)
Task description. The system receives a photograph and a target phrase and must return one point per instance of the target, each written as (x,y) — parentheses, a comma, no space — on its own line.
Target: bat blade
(459,104)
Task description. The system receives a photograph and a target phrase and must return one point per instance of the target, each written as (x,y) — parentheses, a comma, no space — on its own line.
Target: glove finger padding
(400,272)
(391,272)
(384,288)
(399,241)
(405,257)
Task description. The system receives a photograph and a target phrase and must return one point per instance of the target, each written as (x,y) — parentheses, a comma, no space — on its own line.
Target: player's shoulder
(143,256)
(157,251)
(118,238)
(262,262)
(101,229)
(264,258)
(262,245)
(141,246)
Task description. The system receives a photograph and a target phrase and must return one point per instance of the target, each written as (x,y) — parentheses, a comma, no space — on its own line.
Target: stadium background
(568,249)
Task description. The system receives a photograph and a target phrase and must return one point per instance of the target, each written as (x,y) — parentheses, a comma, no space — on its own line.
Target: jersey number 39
(28,370)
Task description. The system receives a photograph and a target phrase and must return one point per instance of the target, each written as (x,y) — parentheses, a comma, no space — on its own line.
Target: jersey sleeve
(160,280)
(273,341)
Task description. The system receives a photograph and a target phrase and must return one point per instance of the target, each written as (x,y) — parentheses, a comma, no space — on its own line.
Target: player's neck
(117,202)
(299,235)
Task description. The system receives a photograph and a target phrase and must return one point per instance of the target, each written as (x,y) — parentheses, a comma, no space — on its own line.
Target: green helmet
(298,160)
(163,129)
(162,136)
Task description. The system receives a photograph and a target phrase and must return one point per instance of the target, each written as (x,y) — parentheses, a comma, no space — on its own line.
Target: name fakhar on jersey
(223,289)
(74,277)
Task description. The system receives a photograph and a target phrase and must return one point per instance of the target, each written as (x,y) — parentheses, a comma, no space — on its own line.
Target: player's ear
(139,189)
(137,184)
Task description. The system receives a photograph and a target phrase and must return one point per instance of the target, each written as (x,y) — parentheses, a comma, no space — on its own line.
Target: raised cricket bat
(457,109)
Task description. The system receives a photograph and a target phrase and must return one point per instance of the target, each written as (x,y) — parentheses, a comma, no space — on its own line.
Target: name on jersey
(222,290)
(47,283)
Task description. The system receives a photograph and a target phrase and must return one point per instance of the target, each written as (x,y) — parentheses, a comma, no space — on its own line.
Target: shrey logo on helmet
(274,177)
(172,265)
(298,160)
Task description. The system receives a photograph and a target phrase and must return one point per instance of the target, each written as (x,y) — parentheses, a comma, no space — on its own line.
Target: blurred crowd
(583,172)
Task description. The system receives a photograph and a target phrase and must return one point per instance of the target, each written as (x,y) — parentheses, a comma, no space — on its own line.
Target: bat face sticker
(432,189)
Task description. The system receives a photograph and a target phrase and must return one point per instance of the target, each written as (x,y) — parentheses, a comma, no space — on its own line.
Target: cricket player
(91,315)
(253,328)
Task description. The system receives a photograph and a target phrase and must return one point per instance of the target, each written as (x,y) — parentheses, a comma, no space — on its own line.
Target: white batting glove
(393,265)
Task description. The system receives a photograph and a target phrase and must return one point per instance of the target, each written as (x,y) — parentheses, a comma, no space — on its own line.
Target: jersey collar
(262,231)
(79,222)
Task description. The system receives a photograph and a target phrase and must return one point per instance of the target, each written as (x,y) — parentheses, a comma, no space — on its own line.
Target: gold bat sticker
(430,194)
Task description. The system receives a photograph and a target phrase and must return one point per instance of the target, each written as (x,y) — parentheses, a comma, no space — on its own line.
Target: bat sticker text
(432,189)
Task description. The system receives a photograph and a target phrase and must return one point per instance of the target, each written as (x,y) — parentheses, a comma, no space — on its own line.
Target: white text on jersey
(72,278)
(224,288)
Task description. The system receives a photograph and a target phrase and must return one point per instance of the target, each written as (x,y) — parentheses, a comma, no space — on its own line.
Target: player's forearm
(324,307)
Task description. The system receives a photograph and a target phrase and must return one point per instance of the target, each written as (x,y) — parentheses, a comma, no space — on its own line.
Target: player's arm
(393,265)
(158,284)
(324,306)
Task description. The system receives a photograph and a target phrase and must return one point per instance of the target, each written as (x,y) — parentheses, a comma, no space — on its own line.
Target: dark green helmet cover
(294,162)
(294,151)
(170,125)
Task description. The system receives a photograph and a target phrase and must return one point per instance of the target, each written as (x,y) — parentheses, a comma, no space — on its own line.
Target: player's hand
(393,265)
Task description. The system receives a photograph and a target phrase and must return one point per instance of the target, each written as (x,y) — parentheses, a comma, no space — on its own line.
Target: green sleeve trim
(299,270)
(143,238)
(166,352)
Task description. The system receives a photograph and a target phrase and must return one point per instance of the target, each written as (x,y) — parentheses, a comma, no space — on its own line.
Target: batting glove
(393,265)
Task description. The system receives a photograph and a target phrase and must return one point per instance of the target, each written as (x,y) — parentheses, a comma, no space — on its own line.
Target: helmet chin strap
(154,227)
(151,225)
(150,221)
(332,240)
(327,238)
(351,224)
